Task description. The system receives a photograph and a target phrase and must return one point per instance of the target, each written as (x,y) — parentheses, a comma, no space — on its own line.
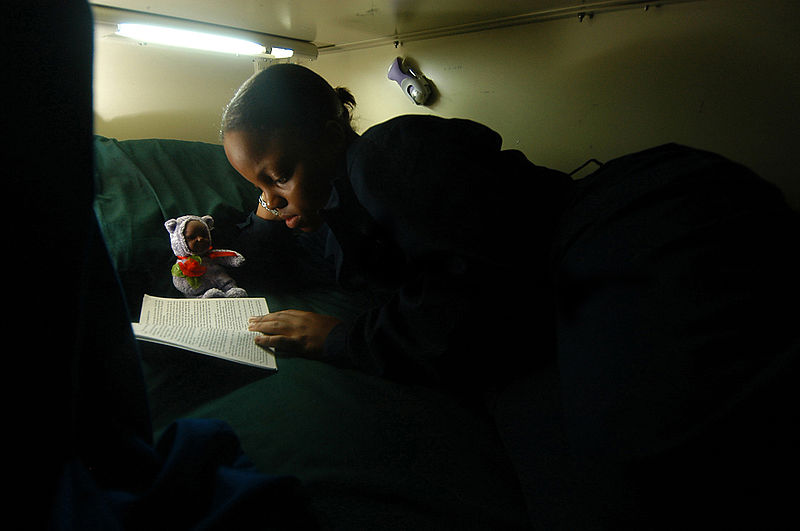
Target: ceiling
(346,23)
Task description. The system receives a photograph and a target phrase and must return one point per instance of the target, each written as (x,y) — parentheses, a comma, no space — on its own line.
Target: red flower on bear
(191,267)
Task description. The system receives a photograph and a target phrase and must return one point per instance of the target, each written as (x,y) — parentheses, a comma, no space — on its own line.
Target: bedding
(371,454)
(669,402)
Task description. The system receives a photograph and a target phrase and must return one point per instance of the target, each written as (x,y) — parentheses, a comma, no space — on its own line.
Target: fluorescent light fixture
(136,26)
(191,39)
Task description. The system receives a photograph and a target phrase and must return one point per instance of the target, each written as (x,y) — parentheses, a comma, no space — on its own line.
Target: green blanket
(373,454)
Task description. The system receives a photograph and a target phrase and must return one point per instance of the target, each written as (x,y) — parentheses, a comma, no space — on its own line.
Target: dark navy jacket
(431,211)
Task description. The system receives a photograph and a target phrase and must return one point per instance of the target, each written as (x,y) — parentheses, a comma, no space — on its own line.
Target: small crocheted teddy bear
(199,271)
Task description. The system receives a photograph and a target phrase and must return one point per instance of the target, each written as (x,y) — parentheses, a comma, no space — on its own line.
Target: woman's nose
(274,201)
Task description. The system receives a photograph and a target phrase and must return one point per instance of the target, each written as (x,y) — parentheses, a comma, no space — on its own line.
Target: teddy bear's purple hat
(176,228)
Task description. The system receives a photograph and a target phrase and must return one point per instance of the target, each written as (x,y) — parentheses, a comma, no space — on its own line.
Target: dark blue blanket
(196,477)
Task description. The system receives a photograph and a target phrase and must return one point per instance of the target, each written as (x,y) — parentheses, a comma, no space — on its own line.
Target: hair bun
(347,100)
(346,97)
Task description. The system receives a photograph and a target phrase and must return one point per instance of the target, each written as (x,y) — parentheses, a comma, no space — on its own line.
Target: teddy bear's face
(197,237)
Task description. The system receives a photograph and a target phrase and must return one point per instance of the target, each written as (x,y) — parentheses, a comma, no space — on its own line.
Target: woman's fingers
(272,328)
(266,324)
(273,341)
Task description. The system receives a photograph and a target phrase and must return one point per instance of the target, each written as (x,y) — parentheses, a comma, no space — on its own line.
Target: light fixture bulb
(281,53)
(189,39)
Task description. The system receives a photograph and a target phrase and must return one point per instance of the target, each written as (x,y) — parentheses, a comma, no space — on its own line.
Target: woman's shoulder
(414,151)
(416,128)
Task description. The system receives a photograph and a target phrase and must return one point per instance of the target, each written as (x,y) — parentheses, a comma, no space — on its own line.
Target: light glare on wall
(193,39)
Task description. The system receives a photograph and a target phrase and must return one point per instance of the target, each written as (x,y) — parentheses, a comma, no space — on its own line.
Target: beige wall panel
(717,75)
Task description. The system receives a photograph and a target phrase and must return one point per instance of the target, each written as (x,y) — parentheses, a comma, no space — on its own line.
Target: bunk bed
(316,446)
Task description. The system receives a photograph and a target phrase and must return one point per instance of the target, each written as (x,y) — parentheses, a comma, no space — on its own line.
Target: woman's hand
(301,333)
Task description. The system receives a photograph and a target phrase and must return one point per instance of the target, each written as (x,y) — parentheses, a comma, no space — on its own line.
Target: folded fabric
(195,477)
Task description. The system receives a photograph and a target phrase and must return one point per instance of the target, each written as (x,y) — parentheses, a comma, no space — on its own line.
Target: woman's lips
(291,221)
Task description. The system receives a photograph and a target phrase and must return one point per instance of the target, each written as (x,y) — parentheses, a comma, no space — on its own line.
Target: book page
(215,327)
(234,345)
(230,314)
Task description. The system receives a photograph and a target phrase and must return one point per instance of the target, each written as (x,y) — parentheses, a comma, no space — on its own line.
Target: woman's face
(293,176)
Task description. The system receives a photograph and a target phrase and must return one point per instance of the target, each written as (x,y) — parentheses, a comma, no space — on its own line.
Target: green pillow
(139,184)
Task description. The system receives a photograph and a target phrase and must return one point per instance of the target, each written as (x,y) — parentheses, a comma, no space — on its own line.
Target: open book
(215,327)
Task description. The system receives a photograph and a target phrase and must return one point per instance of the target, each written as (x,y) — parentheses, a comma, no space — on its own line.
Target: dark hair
(287,98)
